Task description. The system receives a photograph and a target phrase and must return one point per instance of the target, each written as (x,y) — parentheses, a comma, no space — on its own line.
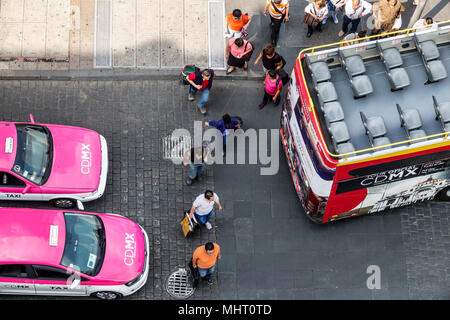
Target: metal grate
(179,284)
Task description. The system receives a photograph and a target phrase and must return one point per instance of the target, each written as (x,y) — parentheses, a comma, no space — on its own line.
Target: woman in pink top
(272,89)
(236,50)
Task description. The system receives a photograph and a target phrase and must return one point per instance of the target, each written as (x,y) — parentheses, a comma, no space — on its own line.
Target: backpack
(187,70)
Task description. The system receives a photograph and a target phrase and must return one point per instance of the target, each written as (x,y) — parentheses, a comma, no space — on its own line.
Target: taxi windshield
(84,248)
(34,153)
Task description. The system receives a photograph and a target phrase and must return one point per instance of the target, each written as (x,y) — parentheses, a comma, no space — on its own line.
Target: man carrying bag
(279,12)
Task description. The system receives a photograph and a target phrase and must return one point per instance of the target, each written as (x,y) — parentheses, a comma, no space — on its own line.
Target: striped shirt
(281,7)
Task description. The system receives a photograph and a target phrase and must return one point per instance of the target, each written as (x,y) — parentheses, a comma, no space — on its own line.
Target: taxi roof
(31,236)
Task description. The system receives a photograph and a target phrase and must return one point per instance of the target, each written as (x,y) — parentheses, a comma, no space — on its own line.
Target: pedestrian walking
(279,13)
(203,208)
(353,12)
(236,24)
(334,6)
(236,53)
(200,81)
(271,60)
(195,159)
(224,125)
(272,89)
(315,13)
(385,14)
(205,260)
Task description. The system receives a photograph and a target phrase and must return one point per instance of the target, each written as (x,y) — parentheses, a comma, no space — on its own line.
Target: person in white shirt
(334,6)
(354,11)
(203,207)
(421,24)
(319,11)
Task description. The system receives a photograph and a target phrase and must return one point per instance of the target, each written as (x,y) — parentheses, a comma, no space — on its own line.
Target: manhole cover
(179,284)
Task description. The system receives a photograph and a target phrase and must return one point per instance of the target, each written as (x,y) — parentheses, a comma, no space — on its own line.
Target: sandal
(228,71)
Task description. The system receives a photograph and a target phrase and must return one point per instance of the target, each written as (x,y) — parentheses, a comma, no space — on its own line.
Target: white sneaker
(208,226)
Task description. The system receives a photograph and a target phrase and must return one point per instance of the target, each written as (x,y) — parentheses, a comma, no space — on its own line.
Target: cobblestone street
(270,248)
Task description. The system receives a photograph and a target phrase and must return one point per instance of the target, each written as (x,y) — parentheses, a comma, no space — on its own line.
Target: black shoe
(189,181)
(309,34)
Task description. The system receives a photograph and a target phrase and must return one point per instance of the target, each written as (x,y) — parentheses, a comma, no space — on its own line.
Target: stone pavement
(270,249)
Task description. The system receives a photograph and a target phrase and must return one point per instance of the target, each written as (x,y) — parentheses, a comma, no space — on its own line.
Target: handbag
(248,56)
(188,225)
(310,20)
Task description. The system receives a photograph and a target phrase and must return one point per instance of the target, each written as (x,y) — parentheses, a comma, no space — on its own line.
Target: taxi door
(14,188)
(14,279)
(56,282)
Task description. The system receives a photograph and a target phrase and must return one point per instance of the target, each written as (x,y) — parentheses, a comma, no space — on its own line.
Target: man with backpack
(200,81)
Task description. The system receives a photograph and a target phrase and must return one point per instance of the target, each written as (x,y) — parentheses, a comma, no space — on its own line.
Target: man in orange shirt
(235,23)
(205,258)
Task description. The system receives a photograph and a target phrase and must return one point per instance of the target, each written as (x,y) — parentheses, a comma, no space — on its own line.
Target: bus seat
(429,50)
(375,129)
(442,112)
(320,71)
(345,147)
(398,78)
(381,141)
(333,111)
(326,91)
(361,86)
(354,65)
(339,132)
(411,121)
(391,57)
(436,70)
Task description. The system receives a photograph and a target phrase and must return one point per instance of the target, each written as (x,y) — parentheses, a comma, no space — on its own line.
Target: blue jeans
(206,272)
(347,21)
(195,170)
(203,219)
(203,99)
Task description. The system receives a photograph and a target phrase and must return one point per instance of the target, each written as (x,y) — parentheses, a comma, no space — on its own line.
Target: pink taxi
(71,253)
(62,164)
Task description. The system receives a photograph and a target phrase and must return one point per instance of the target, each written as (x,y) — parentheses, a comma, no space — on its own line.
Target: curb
(119,74)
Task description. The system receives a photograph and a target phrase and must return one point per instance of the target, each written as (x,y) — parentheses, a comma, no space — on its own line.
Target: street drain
(179,284)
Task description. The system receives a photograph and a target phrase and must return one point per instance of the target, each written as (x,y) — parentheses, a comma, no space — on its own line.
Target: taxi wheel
(107,295)
(64,203)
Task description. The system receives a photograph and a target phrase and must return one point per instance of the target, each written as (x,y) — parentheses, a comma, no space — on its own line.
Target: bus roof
(373,66)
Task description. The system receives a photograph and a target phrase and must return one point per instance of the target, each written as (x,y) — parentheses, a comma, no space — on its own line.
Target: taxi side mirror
(80,205)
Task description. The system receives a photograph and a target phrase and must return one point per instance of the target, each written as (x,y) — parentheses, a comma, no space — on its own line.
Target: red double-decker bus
(365,125)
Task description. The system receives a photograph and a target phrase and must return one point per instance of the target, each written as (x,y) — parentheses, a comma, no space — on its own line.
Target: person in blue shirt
(224,125)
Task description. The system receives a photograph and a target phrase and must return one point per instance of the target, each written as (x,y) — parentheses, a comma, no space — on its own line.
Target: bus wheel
(444,195)
(64,203)
(107,295)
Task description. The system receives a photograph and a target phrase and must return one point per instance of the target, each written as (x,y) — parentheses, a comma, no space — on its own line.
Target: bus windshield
(34,153)
(84,248)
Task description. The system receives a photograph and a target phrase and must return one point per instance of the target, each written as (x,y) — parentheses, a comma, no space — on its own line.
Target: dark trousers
(318,28)
(347,21)
(269,97)
(275,25)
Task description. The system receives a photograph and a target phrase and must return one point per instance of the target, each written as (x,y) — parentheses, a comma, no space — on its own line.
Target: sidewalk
(122,39)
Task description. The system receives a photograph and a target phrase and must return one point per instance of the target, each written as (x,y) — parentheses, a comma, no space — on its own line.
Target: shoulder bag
(310,20)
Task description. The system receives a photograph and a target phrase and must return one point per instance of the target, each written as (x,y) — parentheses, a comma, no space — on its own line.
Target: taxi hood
(77,158)
(125,249)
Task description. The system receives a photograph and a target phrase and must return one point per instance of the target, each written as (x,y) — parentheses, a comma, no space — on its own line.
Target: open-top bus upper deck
(356,95)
